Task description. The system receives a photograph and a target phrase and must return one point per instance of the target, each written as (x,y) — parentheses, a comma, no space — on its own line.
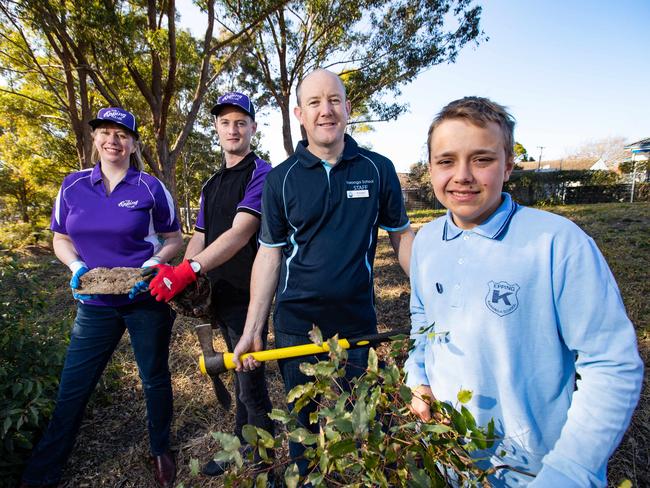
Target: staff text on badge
(358,193)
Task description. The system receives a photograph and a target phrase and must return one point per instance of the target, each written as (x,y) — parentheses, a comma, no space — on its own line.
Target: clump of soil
(194,301)
(109,281)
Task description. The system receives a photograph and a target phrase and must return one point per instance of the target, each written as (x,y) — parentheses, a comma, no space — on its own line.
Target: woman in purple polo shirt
(112,215)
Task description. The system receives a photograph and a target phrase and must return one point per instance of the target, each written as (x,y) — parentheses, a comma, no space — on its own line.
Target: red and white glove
(171,280)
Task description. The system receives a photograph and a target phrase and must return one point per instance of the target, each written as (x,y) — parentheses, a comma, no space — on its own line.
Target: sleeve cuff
(249,210)
(270,244)
(396,229)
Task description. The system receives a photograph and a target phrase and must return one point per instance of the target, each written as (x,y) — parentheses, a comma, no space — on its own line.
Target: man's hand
(421,402)
(247,343)
(170,280)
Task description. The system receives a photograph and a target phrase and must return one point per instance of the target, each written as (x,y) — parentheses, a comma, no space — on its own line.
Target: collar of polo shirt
(307,159)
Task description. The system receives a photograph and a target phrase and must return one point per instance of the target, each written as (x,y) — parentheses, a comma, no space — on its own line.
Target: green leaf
(291,476)
(343,425)
(194,466)
(479,439)
(372,360)
(228,442)
(625,484)
(6,425)
(435,428)
(360,418)
(299,390)
(315,335)
(342,448)
(261,480)
(464,396)
(316,479)
(308,369)
(406,393)
(459,422)
(303,436)
(490,433)
(265,439)
(249,433)
(281,416)
(420,479)
(469,418)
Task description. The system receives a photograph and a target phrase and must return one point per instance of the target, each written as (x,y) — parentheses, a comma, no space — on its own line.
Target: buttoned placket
(457,299)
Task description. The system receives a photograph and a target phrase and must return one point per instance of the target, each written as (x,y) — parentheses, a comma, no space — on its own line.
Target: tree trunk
(286,127)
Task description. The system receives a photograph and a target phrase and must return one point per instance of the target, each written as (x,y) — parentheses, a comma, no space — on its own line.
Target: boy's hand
(421,402)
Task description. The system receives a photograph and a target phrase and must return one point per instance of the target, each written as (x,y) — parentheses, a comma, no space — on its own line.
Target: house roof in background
(563,164)
(640,146)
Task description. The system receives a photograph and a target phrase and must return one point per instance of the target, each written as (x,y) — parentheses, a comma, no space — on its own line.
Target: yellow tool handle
(283,353)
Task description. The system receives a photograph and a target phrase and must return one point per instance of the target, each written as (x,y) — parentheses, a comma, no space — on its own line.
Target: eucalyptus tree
(123,53)
(377,46)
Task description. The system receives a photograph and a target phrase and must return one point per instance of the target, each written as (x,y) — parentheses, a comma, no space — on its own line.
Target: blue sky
(570,71)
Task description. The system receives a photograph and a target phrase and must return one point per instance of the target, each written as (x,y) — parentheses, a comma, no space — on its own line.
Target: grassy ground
(112,448)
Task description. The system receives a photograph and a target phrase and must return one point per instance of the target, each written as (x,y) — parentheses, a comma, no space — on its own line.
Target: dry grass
(112,448)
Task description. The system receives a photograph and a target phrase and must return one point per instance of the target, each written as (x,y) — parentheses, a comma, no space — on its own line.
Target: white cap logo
(114,114)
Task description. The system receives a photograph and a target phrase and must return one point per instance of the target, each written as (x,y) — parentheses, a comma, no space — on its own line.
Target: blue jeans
(95,335)
(252,404)
(290,369)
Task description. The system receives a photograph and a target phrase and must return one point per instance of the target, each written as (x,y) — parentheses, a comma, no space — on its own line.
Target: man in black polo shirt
(321,210)
(224,246)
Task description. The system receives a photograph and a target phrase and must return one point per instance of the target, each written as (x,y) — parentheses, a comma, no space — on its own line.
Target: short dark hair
(478,111)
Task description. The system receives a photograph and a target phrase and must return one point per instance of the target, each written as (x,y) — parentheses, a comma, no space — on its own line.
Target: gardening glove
(171,280)
(143,285)
(78,268)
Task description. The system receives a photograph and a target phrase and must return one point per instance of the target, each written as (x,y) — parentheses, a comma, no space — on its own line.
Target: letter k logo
(496,296)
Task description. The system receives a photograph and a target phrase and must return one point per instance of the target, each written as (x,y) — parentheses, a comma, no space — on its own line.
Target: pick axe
(214,363)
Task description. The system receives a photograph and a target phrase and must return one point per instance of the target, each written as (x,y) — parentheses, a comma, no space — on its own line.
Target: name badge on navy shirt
(358,193)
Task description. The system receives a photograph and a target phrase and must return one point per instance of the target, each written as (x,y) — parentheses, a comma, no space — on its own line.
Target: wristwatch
(196,266)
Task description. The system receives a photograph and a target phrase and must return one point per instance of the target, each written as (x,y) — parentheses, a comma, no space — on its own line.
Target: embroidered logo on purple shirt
(128,203)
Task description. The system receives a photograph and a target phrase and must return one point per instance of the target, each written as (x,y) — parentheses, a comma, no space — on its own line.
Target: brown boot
(164,469)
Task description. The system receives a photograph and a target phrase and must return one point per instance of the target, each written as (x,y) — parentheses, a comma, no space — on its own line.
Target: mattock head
(211,363)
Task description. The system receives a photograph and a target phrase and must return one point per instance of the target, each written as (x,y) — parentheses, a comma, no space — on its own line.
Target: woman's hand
(142,286)
(78,269)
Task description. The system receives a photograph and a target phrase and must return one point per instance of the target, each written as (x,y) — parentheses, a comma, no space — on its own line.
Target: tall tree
(124,53)
(377,46)
(32,161)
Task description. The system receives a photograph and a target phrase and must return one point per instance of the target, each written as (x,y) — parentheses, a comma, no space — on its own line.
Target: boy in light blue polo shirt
(522,303)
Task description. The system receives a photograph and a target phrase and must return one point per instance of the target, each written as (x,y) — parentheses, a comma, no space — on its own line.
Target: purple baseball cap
(116,115)
(234,99)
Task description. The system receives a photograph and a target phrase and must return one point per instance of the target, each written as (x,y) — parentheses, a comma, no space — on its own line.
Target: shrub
(16,235)
(367,437)
(32,346)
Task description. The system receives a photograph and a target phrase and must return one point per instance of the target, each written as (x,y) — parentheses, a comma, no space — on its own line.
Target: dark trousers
(95,335)
(290,369)
(252,405)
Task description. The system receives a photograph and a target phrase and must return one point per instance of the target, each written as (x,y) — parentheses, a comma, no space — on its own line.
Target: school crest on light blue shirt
(502,297)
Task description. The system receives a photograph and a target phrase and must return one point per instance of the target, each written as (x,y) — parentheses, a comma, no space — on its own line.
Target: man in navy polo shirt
(224,246)
(321,210)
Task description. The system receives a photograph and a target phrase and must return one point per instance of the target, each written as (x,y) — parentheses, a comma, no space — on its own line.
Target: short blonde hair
(478,111)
